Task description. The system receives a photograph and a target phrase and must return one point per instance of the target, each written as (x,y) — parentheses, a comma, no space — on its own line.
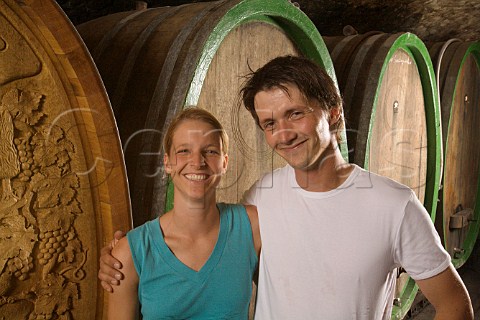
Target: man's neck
(328,175)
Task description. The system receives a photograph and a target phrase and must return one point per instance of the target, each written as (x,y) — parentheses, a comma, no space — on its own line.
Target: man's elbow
(457,310)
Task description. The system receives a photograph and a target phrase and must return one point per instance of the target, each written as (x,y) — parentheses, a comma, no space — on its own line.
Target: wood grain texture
(398,139)
(459,81)
(246,164)
(384,110)
(71,190)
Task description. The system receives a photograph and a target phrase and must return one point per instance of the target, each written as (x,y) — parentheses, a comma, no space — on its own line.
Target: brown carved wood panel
(63,187)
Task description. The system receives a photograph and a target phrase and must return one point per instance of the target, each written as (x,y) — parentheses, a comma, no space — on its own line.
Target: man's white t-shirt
(333,255)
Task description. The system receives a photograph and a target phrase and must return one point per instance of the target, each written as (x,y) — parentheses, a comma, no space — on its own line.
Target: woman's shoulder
(223,206)
(143,230)
(250,217)
(252,212)
(237,207)
(122,251)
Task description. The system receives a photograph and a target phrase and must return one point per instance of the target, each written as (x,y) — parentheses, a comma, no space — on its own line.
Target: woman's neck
(192,219)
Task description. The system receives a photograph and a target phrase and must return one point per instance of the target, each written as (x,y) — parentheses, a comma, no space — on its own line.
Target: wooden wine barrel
(392,116)
(64,187)
(458,212)
(155,62)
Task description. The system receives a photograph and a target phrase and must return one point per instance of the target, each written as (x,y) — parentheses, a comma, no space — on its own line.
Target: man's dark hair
(312,81)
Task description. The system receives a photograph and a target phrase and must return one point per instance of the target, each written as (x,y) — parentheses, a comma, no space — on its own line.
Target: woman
(197,260)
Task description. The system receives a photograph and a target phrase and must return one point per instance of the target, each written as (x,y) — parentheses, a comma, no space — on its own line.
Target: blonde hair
(194,113)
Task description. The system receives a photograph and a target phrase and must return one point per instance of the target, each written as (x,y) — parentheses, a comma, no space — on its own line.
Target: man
(332,233)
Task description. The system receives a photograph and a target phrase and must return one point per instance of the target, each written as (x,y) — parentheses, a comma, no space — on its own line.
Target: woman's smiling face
(196,159)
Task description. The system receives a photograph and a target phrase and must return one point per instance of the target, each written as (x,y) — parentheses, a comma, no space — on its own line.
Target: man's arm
(419,250)
(109,273)
(448,295)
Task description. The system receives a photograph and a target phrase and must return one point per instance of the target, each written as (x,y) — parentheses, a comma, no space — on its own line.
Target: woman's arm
(123,302)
